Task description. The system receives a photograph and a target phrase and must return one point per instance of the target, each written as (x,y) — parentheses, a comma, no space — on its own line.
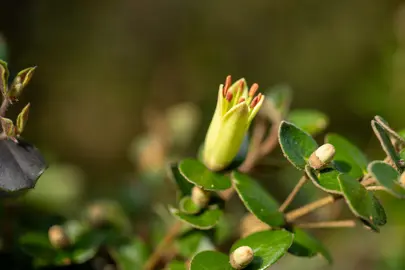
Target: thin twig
(328,224)
(308,208)
(376,188)
(169,237)
(293,193)
(4,106)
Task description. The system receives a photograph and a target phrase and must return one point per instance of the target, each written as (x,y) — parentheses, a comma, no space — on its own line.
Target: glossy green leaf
(361,202)
(326,179)
(348,158)
(387,177)
(311,121)
(386,144)
(296,144)
(183,185)
(187,206)
(388,129)
(203,221)
(210,260)
(195,172)
(257,200)
(268,247)
(130,255)
(305,245)
(176,265)
(187,244)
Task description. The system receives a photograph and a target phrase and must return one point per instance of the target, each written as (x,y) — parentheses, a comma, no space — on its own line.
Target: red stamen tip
(227,84)
(242,99)
(253,89)
(254,102)
(241,84)
(229,96)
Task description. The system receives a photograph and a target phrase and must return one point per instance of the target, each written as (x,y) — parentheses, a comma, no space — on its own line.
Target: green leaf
(188,243)
(268,247)
(348,158)
(326,179)
(386,144)
(203,221)
(195,172)
(3,77)
(187,206)
(387,177)
(37,244)
(296,144)
(311,121)
(305,245)
(388,129)
(257,200)
(361,202)
(130,255)
(210,260)
(183,185)
(278,101)
(176,265)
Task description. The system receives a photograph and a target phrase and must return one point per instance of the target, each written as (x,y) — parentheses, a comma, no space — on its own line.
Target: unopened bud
(241,257)
(97,215)
(57,237)
(402,179)
(200,197)
(322,156)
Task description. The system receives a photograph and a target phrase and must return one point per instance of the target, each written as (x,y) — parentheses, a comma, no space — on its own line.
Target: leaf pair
(19,83)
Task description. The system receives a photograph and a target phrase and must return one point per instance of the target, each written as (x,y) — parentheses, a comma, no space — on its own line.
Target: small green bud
(236,108)
(22,119)
(322,156)
(241,257)
(200,197)
(20,82)
(58,237)
(8,127)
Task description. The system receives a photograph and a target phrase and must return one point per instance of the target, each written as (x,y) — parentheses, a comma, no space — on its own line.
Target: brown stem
(328,224)
(376,188)
(306,209)
(293,193)
(4,106)
(169,237)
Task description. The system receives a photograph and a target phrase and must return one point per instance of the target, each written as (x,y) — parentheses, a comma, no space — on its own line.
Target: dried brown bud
(241,257)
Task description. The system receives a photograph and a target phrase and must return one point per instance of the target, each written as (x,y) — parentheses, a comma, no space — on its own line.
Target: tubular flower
(236,108)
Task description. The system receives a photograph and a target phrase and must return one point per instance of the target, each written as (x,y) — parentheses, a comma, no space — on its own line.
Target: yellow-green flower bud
(57,237)
(322,156)
(200,197)
(241,257)
(236,108)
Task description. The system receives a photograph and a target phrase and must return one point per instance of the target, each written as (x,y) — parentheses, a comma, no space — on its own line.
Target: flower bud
(402,179)
(322,156)
(241,257)
(236,108)
(200,197)
(58,238)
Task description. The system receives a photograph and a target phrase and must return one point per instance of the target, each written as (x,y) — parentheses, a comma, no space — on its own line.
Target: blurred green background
(124,86)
